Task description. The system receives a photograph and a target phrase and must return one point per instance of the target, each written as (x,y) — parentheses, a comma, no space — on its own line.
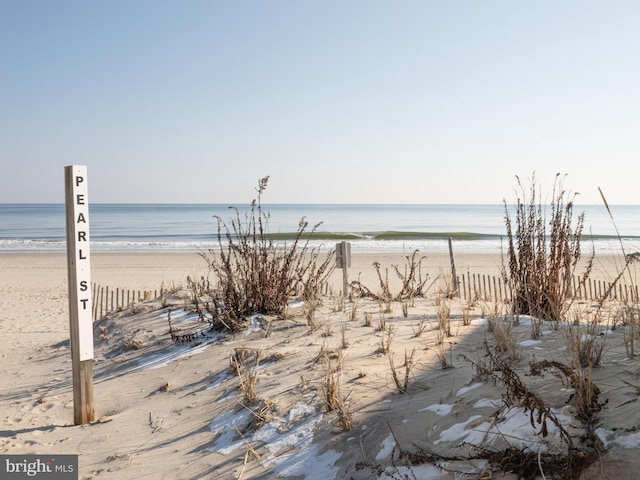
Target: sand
(167,410)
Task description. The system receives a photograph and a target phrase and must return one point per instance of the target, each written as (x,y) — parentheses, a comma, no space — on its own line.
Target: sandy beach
(169,410)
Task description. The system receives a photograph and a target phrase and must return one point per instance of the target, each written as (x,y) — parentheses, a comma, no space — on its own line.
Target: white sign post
(79,273)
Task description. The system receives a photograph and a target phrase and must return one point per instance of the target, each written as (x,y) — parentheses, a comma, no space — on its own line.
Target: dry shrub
(629,259)
(419,329)
(466,316)
(443,313)
(585,343)
(339,307)
(543,254)
(255,274)
(402,385)
(131,344)
(413,282)
(628,317)
(334,400)
(585,395)
(244,363)
(505,339)
(310,313)
(386,338)
(261,413)
(353,316)
(536,328)
(441,352)
(523,463)
(518,394)
(344,343)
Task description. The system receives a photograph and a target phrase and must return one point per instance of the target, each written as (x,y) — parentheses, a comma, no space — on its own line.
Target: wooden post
(495,290)
(94,302)
(484,287)
(79,277)
(454,277)
(343,261)
(464,288)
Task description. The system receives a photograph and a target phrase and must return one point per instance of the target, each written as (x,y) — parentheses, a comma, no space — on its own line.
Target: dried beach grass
(402,385)
(333,397)
(253,273)
(542,262)
(413,282)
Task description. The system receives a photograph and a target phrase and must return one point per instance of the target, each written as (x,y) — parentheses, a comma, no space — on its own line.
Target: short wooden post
(464,288)
(495,291)
(343,261)
(94,302)
(484,287)
(79,278)
(454,277)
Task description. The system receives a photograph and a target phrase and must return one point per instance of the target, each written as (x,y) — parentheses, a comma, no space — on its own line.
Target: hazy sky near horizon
(338,101)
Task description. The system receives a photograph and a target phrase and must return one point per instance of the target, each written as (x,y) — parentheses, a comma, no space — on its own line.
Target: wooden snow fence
(471,287)
(493,288)
(108,300)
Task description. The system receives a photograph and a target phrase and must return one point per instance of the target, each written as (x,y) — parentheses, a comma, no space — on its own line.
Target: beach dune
(168,410)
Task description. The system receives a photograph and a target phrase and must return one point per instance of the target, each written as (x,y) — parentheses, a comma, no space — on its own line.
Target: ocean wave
(365,242)
(391,235)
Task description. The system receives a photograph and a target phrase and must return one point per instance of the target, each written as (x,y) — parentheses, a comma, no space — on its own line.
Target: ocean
(369,228)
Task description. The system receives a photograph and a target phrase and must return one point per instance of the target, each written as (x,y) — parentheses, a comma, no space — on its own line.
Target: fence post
(464,288)
(343,261)
(94,298)
(454,277)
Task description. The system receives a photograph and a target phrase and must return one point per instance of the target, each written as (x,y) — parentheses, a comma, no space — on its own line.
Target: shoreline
(154,268)
(167,266)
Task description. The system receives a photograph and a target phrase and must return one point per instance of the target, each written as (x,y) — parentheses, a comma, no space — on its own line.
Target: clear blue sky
(339,101)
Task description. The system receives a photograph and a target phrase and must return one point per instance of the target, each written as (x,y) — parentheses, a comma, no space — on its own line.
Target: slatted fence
(471,287)
(108,300)
(494,288)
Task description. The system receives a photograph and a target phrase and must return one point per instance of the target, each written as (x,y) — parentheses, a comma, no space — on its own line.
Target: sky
(338,101)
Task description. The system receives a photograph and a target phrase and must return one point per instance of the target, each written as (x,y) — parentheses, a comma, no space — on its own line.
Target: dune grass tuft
(254,274)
